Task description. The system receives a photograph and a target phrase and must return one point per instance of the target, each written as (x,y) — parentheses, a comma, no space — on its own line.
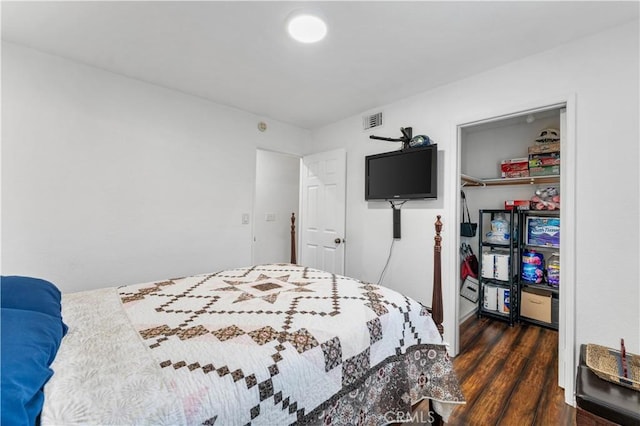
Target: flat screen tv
(402,175)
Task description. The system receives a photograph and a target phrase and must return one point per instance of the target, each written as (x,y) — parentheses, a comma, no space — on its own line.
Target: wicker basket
(606,364)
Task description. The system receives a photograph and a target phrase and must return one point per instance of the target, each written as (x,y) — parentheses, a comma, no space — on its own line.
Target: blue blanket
(31,332)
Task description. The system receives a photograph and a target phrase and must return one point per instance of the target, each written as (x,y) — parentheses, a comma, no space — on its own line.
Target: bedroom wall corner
(108,180)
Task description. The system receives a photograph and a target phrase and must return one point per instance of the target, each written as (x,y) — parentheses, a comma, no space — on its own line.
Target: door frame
(254,217)
(568,180)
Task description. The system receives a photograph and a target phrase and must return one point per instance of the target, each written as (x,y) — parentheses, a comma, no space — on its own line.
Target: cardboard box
(544,171)
(544,147)
(514,165)
(548,159)
(535,304)
(542,231)
(517,204)
(516,174)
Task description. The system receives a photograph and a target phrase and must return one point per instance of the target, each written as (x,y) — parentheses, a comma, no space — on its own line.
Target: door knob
(337,240)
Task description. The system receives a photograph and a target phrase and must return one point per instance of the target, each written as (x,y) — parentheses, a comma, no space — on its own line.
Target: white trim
(451,241)
(567,214)
(568,183)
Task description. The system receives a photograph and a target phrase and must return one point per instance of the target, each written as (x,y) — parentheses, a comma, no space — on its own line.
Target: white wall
(484,146)
(277,195)
(602,71)
(107,180)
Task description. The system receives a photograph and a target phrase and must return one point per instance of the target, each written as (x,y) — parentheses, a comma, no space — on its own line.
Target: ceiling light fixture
(306,27)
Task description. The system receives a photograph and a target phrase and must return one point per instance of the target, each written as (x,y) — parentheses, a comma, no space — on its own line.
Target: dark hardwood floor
(509,376)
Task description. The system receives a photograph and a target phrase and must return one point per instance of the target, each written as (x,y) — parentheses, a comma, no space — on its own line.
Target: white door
(322,210)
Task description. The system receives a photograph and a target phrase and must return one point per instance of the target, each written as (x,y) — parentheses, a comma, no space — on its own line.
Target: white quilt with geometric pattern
(270,344)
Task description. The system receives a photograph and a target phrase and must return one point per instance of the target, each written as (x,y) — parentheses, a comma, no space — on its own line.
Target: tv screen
(402,175)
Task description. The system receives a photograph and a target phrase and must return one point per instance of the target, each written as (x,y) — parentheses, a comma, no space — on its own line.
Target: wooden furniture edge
(293,239)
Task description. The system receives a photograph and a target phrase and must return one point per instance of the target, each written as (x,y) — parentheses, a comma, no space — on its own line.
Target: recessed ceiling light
(306,28)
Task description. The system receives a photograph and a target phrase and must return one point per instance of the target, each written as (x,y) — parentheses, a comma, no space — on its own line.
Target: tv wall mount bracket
(407,133)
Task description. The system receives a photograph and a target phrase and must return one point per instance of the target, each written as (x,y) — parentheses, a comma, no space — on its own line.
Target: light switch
(270,217)
(245,218)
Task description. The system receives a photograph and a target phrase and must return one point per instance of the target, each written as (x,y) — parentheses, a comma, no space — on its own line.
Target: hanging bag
(469,274)
(467,228)
(469,266)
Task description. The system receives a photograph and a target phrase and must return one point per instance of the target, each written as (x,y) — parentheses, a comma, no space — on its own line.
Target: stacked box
(544,159)
(544,171)
(516,174)
(515,167)
(542,231)
(517,204)
(545,148)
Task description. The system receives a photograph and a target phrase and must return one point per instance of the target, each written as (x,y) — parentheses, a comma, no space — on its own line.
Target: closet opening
(515,174)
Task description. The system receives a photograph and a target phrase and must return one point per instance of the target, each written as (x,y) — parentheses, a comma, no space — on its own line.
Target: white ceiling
(238,53)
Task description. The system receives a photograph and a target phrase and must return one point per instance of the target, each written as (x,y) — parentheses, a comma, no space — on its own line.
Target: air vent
(371,121)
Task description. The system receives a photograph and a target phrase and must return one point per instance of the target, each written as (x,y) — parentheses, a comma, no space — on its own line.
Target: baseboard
(467,316)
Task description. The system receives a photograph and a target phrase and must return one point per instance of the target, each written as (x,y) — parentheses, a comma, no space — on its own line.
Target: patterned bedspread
(270,344)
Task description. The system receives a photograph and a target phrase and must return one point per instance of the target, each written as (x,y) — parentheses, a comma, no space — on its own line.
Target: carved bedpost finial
(436,298)
(293,238)
(438,238)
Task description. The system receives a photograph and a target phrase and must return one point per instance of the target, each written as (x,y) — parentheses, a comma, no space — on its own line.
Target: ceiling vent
(372,121)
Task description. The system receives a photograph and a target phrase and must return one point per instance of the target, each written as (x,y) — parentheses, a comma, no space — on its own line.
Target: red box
(517,204)
(516,174)
(541,160)
(514,165)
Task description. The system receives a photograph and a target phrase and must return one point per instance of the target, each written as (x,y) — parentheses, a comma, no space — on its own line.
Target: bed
(267,344)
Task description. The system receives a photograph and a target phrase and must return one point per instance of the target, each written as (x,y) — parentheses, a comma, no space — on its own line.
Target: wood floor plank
(508,376)
(487,363)
(552,407)
(472,330)
(523,404)
(469,361)
(490,404)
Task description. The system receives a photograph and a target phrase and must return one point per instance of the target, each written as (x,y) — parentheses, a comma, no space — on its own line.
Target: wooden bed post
(293,238)
(436,304)
(436,298)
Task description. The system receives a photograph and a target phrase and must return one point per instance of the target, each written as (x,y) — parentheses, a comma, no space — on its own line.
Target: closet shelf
(533,180)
